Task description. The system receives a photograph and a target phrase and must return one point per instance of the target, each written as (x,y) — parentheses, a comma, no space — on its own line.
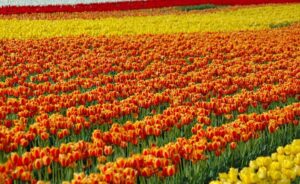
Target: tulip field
(151,96)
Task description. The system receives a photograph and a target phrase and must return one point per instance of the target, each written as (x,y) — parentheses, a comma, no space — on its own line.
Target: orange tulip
(108,150)
(233,145)
(169,170)
(38,164)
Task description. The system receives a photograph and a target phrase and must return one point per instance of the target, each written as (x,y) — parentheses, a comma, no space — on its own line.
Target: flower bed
(197,95)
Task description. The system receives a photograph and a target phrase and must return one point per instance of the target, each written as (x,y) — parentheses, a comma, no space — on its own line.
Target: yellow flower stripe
(252,18)
(281,167)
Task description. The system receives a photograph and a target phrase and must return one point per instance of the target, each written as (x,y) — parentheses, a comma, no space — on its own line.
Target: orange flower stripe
(53,89)
(27,107)
(162,161)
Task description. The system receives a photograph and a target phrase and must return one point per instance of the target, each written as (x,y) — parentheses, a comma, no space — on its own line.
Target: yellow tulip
(263,182)
(280,150)
(275,175)
(281,158)
(262,173)
(233,175)
(297,159)
(274,166)
(289,173)
(297,170)
(288,149)
(267,161)
(253,164)
(245,175)
(295,149)
(215,182)
(296,142)
(274,156)
(253,178)
(287,164)
(284,181)
(223,176)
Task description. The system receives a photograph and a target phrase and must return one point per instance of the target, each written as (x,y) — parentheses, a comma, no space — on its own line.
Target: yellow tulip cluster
(281,167)
(251,18)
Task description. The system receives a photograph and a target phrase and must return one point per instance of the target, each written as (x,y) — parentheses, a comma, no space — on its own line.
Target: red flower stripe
(128,5)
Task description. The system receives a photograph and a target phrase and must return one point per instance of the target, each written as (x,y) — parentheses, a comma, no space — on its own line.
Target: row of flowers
(35,6)
(99,114)
(282,166)
(159,161)
(253,18)
(267,73)
(99,14)
(117,133)
(171,72)
(22,59)
(61,127)
(122,135)
(163,161)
